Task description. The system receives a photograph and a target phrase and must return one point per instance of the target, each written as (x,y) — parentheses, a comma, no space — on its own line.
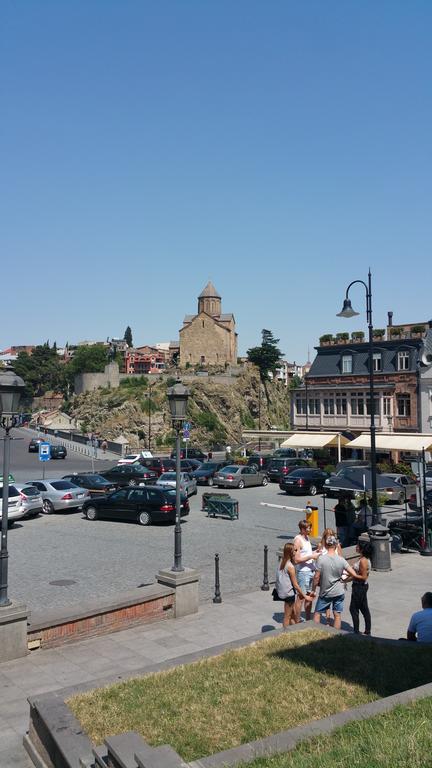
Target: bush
(342,336)
(357,335)
(378,332)
(170,381)
(247,420)
(329,468)
(418,329)
(208,420)
(326,337)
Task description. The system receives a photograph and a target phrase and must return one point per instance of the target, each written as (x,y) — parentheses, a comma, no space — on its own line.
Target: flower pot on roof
(342,338)
(418,331)
(396,332)
(357,336)
(326,340)
(378,334)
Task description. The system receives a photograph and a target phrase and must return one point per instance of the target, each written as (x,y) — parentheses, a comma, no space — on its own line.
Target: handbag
(275,595)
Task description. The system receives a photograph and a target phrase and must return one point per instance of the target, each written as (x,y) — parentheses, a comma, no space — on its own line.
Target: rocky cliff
(217,412)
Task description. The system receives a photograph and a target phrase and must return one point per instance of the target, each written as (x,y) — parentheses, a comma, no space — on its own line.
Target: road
(104,558)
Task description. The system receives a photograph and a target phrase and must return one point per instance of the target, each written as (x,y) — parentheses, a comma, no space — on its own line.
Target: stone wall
(86,382)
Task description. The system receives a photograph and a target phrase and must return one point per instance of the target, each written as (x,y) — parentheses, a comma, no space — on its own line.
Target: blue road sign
(44,451)
(186,433)
(186,426)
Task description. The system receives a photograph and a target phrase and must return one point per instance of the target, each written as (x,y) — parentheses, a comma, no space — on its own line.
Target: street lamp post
(149,414)
(348,311)
(178,398)
(11,387)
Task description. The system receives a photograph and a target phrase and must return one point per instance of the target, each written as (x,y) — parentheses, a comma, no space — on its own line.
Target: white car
(132,458)
(31,499)
(188,484)
(15,509)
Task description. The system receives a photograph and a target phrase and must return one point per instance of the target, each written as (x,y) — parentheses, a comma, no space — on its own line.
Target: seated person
(420,626)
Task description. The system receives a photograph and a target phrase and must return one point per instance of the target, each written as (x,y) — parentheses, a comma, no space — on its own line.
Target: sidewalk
(393,597)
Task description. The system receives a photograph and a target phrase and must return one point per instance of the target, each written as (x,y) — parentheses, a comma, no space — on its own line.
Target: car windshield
(62,485)
(96,480)
(275,463)
(30,490)
(168,476)
(230,469)
(131,457)
(301,472)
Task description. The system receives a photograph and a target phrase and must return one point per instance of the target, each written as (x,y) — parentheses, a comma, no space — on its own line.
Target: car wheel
(396,544)
(47,507)
(144,518)
(313,490)
(241,484)
(11,523)
(264,481)
(91,513)
(210,481)
(132,481)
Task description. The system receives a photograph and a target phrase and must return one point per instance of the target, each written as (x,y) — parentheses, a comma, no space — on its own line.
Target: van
(258,461)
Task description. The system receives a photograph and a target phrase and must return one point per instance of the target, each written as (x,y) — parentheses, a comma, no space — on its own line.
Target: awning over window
(314,440)
(394,442)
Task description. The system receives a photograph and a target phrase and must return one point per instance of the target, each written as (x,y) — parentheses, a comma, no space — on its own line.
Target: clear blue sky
(277,148)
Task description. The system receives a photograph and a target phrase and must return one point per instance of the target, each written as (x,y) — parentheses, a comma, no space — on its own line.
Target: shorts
(305,579)
(289,600)
(324,603)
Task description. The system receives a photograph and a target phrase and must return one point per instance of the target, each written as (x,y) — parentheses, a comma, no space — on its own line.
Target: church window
(203,323)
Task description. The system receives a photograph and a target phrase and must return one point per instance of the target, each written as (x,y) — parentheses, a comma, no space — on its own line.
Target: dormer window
(347,365)
(377,361)
(403,361)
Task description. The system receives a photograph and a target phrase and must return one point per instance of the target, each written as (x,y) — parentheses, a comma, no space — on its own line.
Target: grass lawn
(401,738)
(249,693)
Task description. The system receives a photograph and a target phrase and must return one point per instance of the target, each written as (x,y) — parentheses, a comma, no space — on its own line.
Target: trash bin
(312,518)
(380,540)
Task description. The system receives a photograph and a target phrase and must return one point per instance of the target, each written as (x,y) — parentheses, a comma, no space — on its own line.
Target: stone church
(209,337)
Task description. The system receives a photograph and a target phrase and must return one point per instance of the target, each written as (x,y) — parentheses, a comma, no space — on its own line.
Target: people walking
(359,601)
(304,559)
(287,586)
(329,571)
(363,519)
(104,446)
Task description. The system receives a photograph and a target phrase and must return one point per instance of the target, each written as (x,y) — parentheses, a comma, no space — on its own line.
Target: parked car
(284,453)
(190,465)
(259,461)
(131,458)
(158,465)
(188,484)
(58,452)
(190,453)
(280,467)
(304,480)
(204,475)
(405,487)
(94,483)
(239,476)
(59,495)
(354,481)
(31,499)
(144,505)
(34,444)
(348,463)
(16,510)
(129,474)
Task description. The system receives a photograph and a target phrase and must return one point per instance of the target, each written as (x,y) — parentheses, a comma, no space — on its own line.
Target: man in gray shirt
(329,570)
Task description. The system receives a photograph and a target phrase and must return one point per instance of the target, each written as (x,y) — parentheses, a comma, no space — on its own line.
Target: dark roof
(328,361)
(209,291)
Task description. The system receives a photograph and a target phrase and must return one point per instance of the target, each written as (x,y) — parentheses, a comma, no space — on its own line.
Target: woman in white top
(287,585)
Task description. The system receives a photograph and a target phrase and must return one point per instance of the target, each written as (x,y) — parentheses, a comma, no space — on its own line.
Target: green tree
(42,371)
(128,336)
(91,358)
(267,356)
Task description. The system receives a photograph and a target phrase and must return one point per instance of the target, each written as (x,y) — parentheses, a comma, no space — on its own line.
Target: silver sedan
(60,495)
(188,484)
(238,476)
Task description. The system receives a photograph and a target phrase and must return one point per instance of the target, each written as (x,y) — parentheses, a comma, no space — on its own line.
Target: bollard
(217,598)
(265,585)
